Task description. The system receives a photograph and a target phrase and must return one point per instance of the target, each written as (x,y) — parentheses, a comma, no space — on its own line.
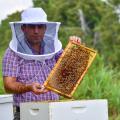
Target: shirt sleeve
(58,55)
(10,64)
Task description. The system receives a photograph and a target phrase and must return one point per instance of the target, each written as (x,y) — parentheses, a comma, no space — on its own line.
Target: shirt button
(44,63)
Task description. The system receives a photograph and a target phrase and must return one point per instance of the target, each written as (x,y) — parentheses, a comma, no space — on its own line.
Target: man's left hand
(75,39)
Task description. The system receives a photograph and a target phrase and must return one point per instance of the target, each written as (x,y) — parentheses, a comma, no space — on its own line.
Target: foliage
(5,30)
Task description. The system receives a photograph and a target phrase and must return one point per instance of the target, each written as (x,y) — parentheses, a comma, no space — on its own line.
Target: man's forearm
(13,86)
(17,87)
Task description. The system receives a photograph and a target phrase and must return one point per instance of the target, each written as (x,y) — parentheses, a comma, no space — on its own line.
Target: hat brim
(34,22)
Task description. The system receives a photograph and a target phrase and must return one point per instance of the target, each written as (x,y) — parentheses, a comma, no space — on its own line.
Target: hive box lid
(6,98)
(80,110)
(65,110)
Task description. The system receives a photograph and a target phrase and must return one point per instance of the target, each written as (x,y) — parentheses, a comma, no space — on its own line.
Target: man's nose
(36,29)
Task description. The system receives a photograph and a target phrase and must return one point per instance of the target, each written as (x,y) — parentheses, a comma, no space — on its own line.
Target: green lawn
(1,80)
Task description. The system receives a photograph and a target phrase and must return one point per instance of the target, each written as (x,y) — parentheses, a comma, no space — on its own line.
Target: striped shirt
(26,72)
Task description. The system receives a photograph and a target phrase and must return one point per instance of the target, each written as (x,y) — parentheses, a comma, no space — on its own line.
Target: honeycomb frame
(59,80)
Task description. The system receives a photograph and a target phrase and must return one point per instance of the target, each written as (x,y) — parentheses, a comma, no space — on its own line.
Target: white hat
(34,16)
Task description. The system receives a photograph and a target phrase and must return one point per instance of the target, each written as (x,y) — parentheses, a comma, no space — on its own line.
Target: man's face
(34,32)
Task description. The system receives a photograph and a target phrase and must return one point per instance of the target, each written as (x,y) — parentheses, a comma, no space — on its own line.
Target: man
(32,53)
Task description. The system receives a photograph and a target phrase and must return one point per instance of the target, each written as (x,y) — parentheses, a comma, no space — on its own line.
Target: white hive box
(65,110)
(6,107)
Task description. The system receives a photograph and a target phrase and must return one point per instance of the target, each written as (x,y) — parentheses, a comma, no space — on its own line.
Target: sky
(8,7)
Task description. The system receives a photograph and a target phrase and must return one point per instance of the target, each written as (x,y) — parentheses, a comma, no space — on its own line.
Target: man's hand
(36,88)
(75,39)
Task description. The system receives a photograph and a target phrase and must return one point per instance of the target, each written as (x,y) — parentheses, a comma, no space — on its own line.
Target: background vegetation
(99,30)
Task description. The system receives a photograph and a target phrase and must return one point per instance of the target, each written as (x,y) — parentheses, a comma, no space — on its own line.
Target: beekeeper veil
(50,43)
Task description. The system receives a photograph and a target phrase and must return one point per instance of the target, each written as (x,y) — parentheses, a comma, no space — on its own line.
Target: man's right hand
(36,88)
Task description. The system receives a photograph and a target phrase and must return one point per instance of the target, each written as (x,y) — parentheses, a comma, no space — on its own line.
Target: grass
(1,79)
(115,117)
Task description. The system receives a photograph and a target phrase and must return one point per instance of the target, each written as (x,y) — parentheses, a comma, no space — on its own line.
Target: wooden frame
(74,55)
